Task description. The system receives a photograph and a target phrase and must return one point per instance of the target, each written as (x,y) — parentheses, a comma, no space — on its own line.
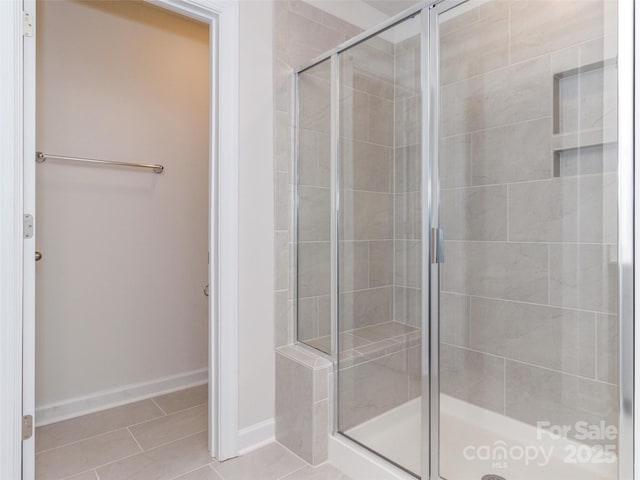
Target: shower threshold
(473,443)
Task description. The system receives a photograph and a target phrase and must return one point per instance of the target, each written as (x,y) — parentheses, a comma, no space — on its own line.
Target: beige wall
(119,290)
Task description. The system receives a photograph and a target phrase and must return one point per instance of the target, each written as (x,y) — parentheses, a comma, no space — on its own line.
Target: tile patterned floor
(163,438)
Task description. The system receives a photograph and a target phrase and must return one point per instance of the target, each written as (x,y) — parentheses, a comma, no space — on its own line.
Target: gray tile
(407,263)
(372,388)
(408,121)
(512,153)
(314,214)
(584,276)
(204,473)
(480,47)
(353,265)
(383,331)
(282,195)
(84,455)
(366,215)
(307,160)
(502,97)
(380,263)
(320,432)
(294,409)
(454,319)
(608,348)
(68,431)
(365,307)
(307,318)
(414,360)
(366,166)
(406,215)
(313,269)
(407,169)
(354,114)
(325,471)
(267,463)
(569,209)
(282,260)
(518,330)
(454,161)
(381,122)
(182,399)
(544,211)
(282,309)
(512,271)
(162,463)
(473,377)
(407,306)
(314,103)
(477,213)
(172,427)
(537,395)
(92,475)
(532,33)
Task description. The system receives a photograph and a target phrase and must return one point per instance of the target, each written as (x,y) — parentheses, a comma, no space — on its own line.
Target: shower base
(468,434)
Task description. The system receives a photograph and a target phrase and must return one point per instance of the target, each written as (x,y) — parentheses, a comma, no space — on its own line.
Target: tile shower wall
(528,309)
(302,32)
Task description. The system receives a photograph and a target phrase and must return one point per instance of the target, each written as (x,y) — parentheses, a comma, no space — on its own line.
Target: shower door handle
(437,245)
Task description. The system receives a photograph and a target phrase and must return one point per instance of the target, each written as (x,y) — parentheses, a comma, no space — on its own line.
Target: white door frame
(17,197)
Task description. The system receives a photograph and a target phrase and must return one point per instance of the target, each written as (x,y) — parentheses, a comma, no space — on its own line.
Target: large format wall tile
(607,348)
(515,271)
(407,263)
(584,276)
(573,22)
(472,376)
(366,215)
(366,166)
(365,307)
(550,337)
(454,319)
(314,269)
(454,161)
(512,153)
(407,169)
(314,214)
(371,388)
(478,213)
(380,263)
(294,404)
(353,266)
(539,395)
(571,209)
(463,56)
(501,97)
(407,305)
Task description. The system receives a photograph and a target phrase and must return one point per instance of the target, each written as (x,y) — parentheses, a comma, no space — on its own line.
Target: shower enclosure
(463,239)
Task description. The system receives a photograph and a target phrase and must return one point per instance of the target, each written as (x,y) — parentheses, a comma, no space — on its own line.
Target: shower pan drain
(492,476)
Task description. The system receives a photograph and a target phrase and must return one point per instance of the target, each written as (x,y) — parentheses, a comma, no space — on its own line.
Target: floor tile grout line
(135,439)
(156,404)
(190,471)
(82,440)
(120,428)
(292,472)
(176,440)
(137,453)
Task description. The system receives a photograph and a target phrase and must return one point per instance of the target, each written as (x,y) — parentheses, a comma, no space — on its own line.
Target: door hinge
(27,24)
(27,227)
(437,245)
(27,427)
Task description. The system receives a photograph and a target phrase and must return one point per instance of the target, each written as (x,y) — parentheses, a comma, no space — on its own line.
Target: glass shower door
(528,290)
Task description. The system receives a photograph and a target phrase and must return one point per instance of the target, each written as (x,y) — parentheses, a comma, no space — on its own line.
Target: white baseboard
(256,436)
(112,398)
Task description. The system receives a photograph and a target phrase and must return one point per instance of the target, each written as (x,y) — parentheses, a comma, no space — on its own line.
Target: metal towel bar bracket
(41,157)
